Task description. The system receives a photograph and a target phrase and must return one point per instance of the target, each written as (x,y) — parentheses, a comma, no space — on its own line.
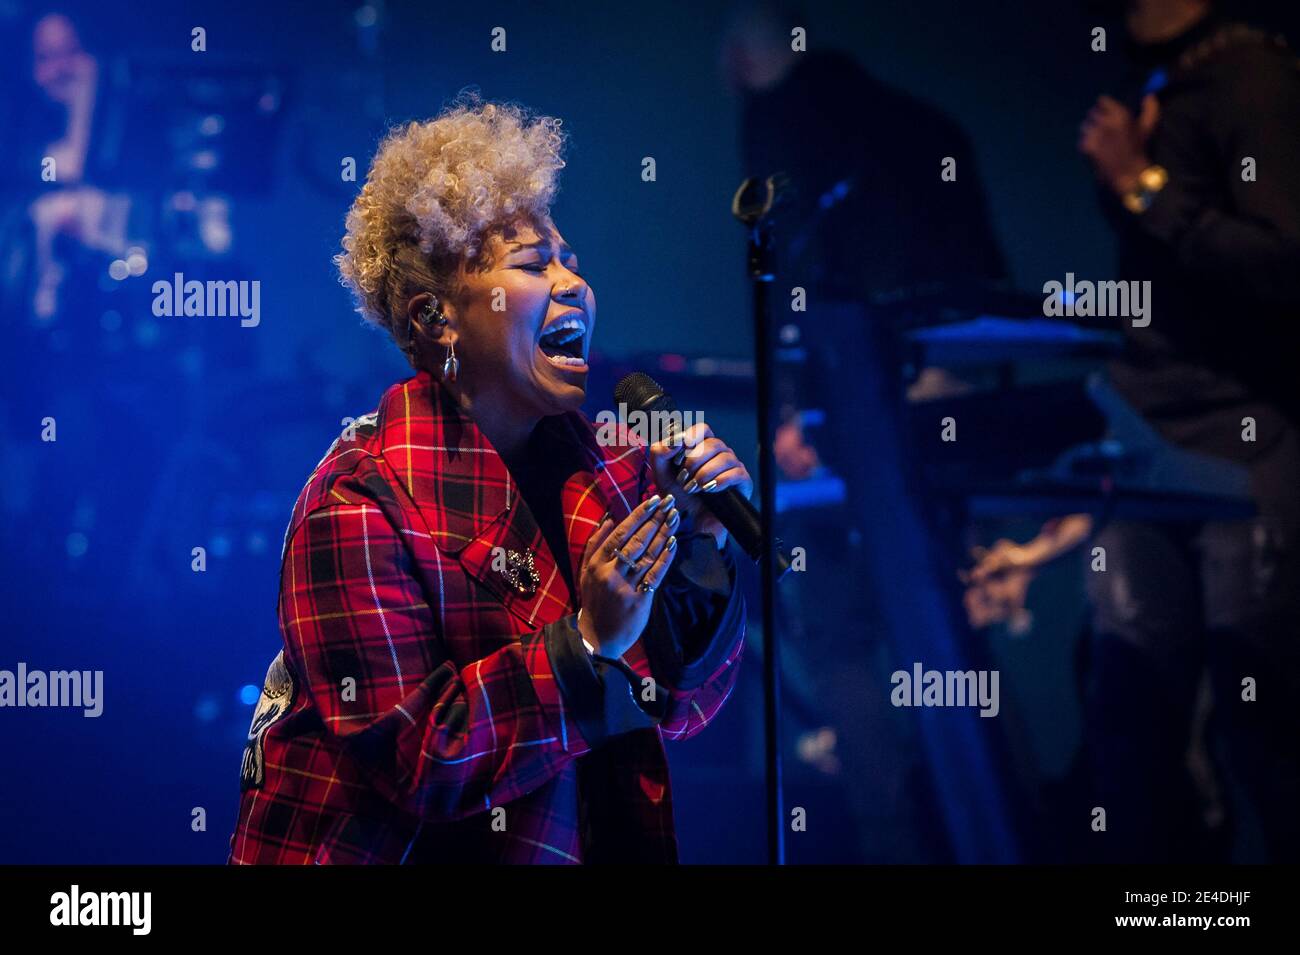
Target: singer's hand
(615,610)
(699,464)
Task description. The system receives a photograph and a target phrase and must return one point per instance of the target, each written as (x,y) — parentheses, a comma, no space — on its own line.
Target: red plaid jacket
(433,701)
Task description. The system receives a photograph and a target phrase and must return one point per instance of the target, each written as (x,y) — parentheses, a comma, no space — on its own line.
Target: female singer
(491,619)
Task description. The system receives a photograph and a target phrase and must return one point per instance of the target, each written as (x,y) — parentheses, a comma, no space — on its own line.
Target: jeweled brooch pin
(521,573)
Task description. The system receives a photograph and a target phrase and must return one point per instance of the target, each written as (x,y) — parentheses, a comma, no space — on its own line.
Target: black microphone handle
(735,511)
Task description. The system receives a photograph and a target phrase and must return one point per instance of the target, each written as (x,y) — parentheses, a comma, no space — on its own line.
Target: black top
(540,475)
(1222,253)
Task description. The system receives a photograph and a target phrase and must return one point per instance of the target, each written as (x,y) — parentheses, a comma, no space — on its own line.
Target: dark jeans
(1175,601)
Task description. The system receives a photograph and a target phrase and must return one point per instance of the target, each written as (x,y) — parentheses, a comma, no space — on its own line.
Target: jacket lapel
(604,479)
(471,505)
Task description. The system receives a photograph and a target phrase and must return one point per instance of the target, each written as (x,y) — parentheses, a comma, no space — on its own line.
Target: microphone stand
(751,205)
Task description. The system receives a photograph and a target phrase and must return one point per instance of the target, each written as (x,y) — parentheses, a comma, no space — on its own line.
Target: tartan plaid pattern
(418,693)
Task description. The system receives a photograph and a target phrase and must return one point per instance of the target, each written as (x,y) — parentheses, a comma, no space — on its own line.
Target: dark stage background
(176,433)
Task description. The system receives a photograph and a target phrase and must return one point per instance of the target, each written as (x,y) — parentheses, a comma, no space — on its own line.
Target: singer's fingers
(629,526)
(598,537)
(638,544)
(713,459)
(735,476)
(694,434)
(662,453)
(697,456)
(654,548)
(666,457)
(714,467)
(703,449)
(659,569)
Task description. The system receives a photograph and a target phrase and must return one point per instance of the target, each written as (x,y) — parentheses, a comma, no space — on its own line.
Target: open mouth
(564,343)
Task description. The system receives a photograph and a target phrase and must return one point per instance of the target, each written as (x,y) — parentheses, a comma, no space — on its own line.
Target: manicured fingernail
(672,542)
(710,486)
(682,475)
(670,500)
(692,487)
(674,516)
(653,502)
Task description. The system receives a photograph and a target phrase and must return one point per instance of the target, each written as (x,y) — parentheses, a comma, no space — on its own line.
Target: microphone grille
(637,390)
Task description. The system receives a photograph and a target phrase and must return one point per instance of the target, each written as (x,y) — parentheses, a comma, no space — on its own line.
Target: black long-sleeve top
(1221,250)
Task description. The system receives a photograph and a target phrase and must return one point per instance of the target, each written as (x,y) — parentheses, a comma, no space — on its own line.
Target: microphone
(640,392)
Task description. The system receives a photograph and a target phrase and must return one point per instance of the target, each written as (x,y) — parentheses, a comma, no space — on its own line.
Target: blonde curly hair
(434,192)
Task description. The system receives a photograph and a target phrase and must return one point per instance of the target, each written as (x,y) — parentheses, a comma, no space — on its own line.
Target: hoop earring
(451,364)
